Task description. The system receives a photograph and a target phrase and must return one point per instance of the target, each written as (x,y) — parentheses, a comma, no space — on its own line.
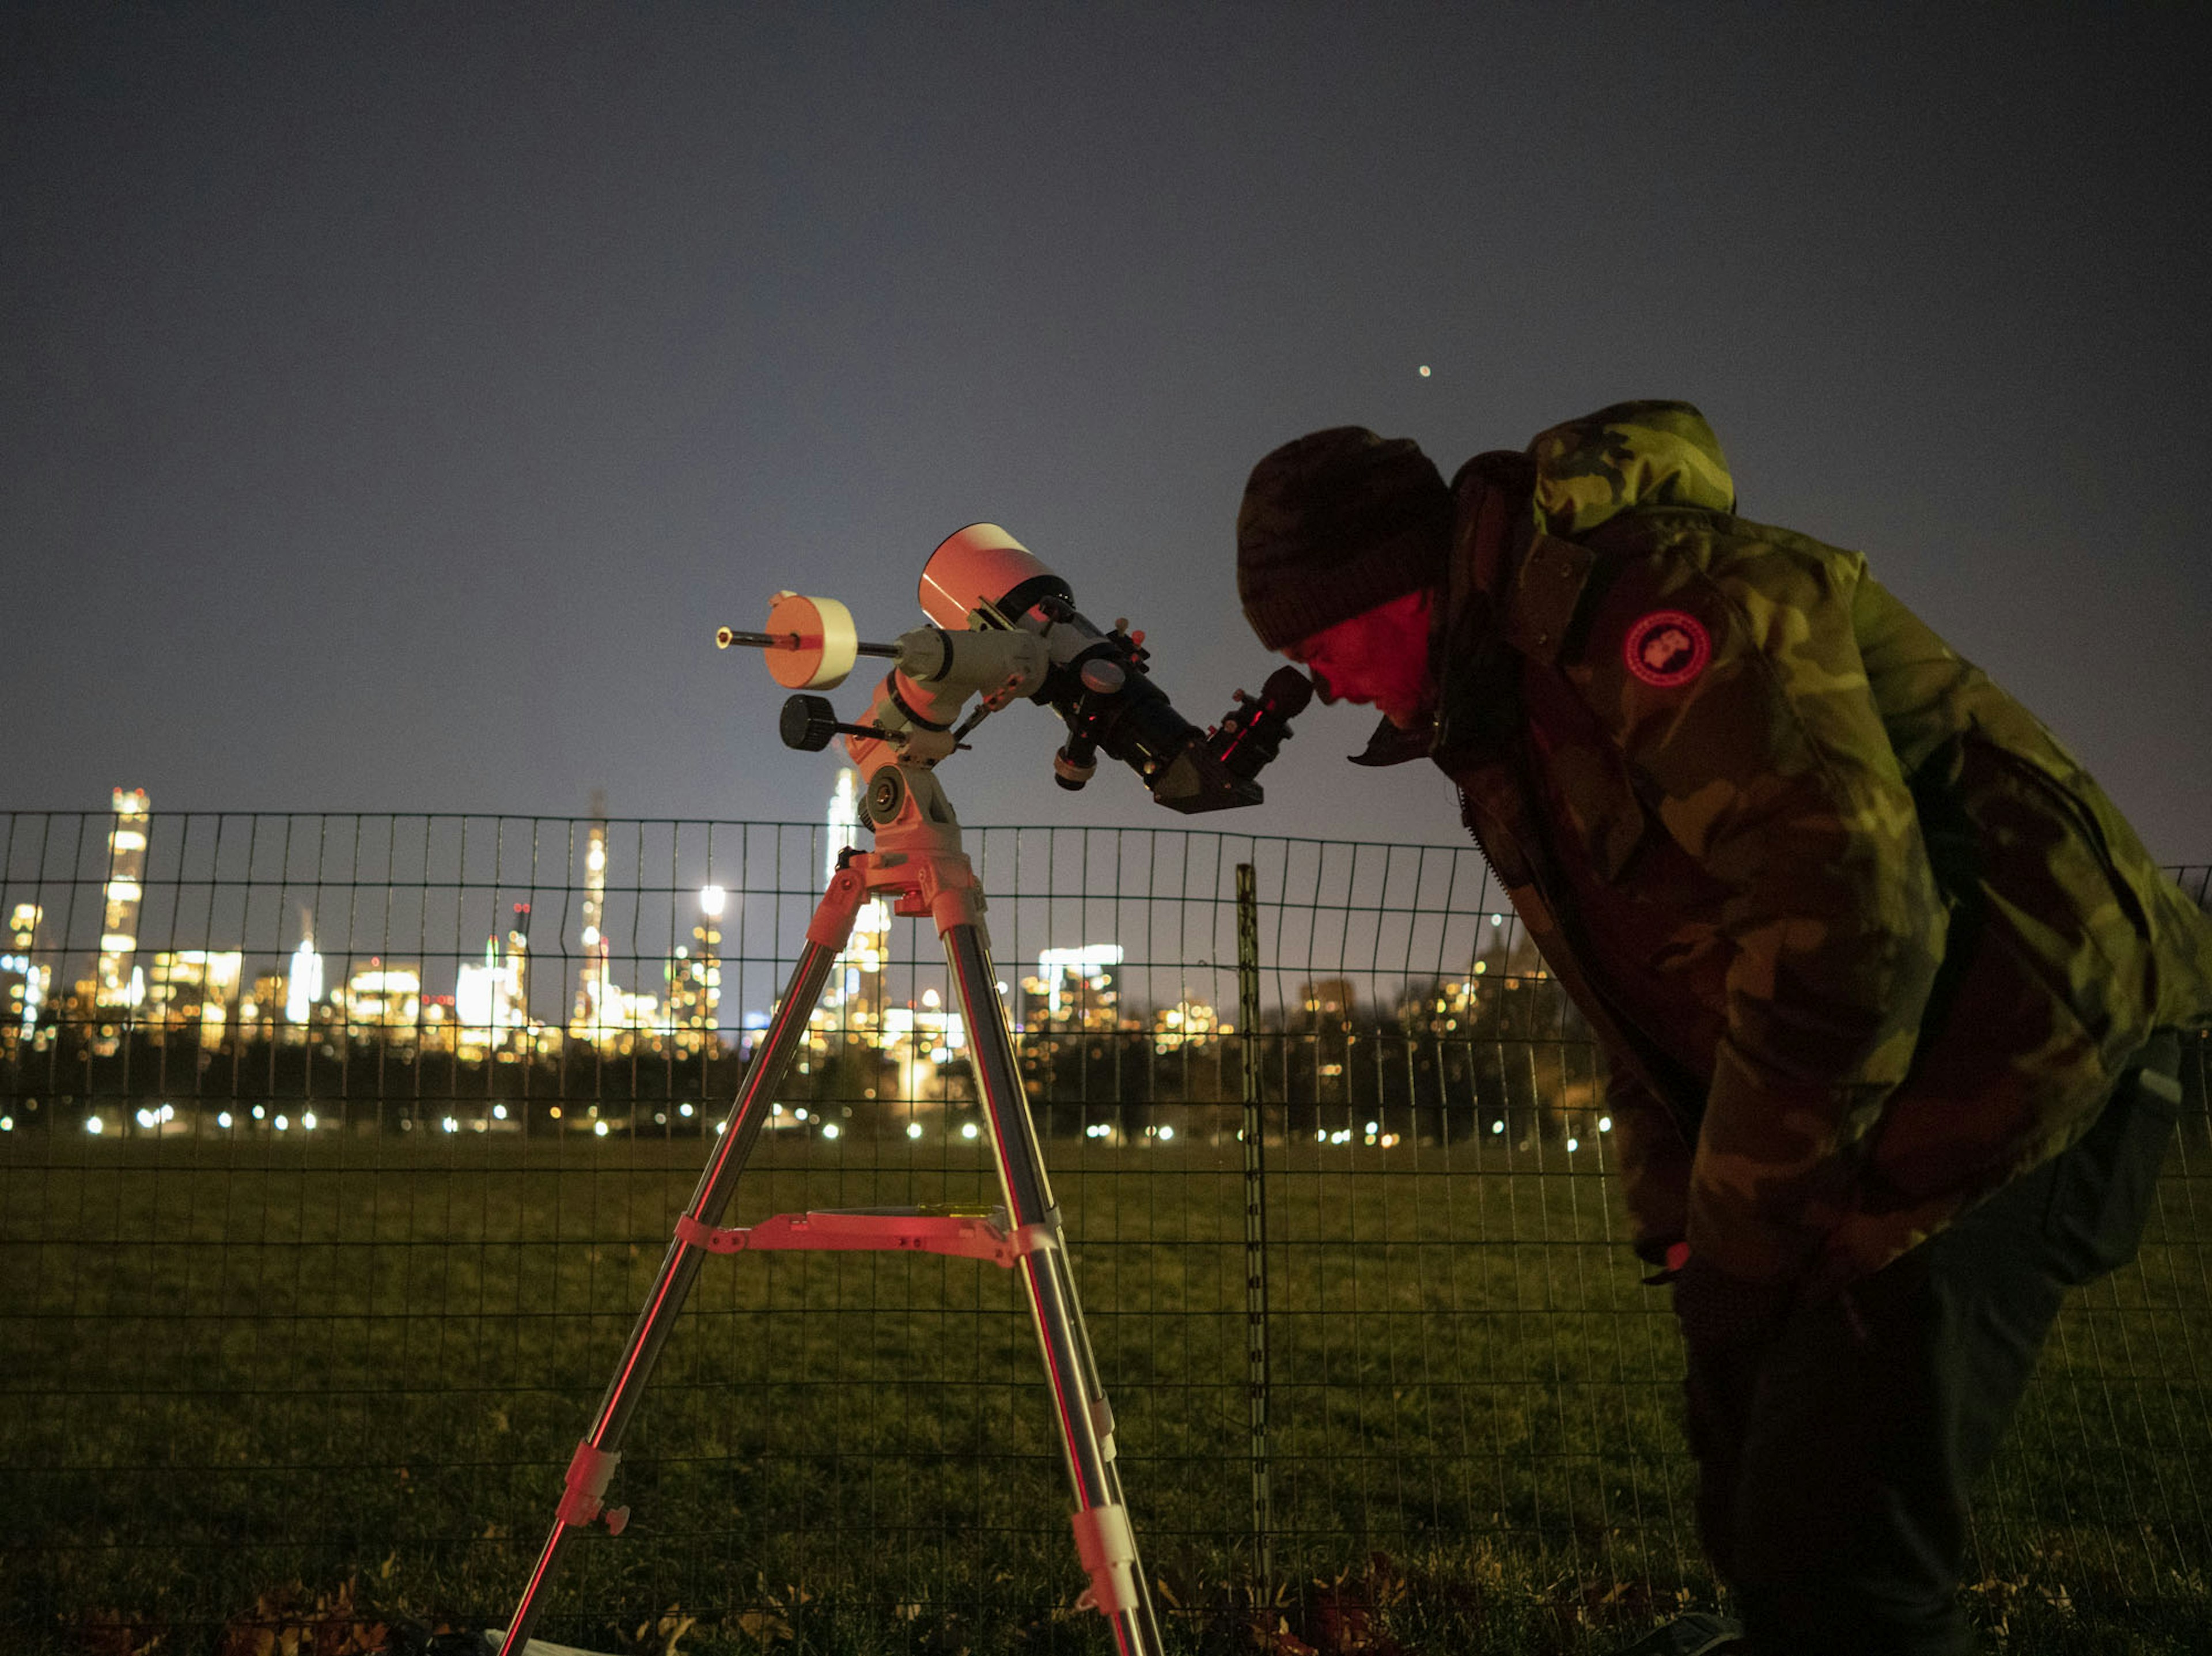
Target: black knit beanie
(1334,524)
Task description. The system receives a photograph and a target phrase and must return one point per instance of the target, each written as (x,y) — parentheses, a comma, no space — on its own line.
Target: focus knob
(1075,764)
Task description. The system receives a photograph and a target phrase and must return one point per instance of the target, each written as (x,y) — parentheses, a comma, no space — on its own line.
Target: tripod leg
(1103,1536)
(601,1448)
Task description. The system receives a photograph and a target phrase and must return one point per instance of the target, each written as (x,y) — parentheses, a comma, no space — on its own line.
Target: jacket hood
(1630,455)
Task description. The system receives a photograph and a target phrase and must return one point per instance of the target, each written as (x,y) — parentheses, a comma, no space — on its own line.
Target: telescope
(1002,626)
(1005,625)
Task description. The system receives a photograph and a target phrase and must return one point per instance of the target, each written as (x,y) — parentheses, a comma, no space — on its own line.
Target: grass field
(242,1379)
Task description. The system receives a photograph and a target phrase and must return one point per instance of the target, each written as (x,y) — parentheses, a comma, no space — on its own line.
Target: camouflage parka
(1860,940)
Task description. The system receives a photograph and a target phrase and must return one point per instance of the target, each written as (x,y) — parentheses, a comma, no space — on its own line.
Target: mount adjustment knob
(808,723)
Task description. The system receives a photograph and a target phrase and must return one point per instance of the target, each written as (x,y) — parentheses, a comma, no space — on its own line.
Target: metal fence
(336,1154)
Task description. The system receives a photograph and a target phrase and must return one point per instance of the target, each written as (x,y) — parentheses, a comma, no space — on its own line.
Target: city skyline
(226,1039)
(489,1009)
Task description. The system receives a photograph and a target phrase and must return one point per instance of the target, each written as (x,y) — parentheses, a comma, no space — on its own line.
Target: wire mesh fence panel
(338,1154)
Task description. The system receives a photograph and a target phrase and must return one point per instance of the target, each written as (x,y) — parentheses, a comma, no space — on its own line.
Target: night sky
(396,398)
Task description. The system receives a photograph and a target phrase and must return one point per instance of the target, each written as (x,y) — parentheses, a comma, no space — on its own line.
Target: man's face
(1380,656)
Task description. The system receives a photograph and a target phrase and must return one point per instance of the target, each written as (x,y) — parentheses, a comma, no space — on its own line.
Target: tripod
(919,862)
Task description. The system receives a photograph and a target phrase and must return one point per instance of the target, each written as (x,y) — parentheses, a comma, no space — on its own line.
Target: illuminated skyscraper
(1073,989)
(189,987)
(844,821)
(118,983)
(303,984)
(384,1002)
(595,1009)
(695,977)
(483,1004)
(24,981)
(259,1012)
(517,965)
(491,1001)
(854,999)
(1186,1023)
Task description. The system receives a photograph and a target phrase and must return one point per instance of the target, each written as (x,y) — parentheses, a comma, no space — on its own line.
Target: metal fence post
(1256,1219)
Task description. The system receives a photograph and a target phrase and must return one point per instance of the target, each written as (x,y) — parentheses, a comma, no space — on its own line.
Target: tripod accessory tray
(979,1234)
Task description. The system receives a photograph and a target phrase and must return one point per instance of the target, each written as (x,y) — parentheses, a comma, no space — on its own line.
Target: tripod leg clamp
(589,1472)
(1040,1236)
(831,927)
(697,1233)
(951,906)
(1108,1547)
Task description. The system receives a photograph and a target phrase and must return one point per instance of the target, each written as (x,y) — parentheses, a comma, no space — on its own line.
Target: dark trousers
(1835,1461)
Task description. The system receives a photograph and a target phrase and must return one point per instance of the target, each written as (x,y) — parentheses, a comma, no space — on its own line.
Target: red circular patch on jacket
(1668,647)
